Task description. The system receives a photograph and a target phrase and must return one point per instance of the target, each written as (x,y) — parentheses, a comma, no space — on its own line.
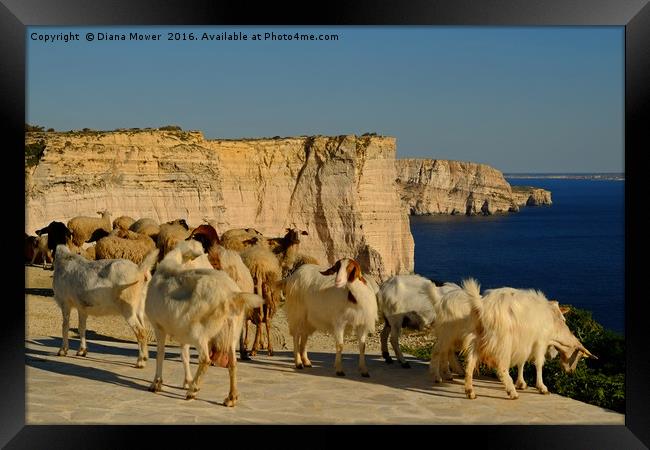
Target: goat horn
(587,352)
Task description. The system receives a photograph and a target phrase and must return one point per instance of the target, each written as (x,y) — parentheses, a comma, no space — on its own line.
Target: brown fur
(354,271)
(208,237)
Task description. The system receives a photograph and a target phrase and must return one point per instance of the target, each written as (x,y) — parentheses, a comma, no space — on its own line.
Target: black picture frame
(634,15)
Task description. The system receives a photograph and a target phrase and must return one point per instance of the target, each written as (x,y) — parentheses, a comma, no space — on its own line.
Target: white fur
(97,288)
(233,265)
(318,302)
(407,300)
(513,326)
(199,307)
(82,227)
(453,327)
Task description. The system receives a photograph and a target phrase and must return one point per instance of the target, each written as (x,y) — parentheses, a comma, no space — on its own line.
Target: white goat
(97,288)
(329,300)
(200,307)
(513,326)
(407,301)
(452,328)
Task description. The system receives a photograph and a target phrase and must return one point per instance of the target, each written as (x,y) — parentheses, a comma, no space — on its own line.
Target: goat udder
(219,358)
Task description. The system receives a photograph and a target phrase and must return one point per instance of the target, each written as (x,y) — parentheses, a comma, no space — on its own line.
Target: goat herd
(202,289)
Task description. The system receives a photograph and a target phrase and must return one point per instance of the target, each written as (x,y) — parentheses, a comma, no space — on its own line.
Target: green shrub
(600,382)
(170,128)
(34,152)
(29,127)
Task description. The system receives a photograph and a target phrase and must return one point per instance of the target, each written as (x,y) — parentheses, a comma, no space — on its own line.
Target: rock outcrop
(431,186)
(531,196)
(341,190)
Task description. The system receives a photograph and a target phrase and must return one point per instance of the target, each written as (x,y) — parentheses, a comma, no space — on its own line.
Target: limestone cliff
(430,186)
(341,189)
(531,196)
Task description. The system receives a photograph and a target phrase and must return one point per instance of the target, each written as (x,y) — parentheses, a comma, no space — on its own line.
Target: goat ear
(288,229)
(332,270)
(565,309)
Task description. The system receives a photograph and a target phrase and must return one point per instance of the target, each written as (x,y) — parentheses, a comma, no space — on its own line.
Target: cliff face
(341,190)
(430,186)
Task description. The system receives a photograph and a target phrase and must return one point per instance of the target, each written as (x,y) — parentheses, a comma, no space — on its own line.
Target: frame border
(634,15)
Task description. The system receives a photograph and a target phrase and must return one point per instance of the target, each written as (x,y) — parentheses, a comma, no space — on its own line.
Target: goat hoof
(308,364)
(231,400)
(190,396)
(521,386)
(244,357)
(156,386)
(300,366)
(139,364)
(544,391)
(513,395)
(365,374)
(62,352)
(406,365)
(340,374)
(470,395)
(270,352)
(82,352)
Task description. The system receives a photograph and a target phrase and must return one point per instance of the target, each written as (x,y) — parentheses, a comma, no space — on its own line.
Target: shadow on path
(66,366)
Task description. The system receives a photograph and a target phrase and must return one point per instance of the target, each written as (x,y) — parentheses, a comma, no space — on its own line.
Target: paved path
(105,388)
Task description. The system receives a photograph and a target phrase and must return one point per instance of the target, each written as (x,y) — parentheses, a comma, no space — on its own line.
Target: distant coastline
(574,176)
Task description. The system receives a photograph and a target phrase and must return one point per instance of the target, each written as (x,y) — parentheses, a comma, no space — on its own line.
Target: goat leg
(83,348)
(204,363)
(65,330)
(384,343)
(161,337)
(233,395)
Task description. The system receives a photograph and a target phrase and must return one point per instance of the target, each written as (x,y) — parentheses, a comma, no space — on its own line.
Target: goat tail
(149,261)
(473,291)
(250,300)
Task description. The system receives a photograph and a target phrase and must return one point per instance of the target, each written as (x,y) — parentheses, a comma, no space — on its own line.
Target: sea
(573,250)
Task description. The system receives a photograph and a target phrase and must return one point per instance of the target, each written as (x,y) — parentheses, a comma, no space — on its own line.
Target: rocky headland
(433,186)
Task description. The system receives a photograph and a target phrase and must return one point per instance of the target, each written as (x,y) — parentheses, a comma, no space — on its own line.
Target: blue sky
(539,99)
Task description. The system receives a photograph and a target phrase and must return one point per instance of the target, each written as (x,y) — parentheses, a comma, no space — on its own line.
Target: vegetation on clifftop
(600,382)
(34,152)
